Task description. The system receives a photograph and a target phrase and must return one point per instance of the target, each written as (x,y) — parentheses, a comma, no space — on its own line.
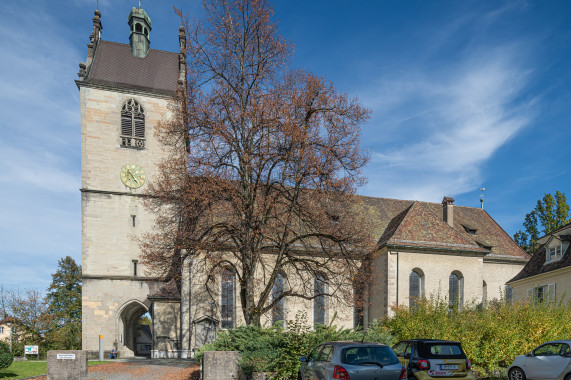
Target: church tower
(124,91)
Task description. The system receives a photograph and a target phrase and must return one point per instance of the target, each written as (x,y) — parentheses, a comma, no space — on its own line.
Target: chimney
(448,210)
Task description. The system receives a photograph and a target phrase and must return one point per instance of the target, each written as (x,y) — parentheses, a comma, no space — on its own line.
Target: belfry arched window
(132,125)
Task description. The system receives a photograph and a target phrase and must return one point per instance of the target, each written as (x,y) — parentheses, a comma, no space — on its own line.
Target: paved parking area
(146,369)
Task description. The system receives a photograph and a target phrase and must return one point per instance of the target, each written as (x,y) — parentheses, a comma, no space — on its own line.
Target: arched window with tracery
(132,125)
(227,297)
(415,287)
(319,300)
(278,312)
(456,289)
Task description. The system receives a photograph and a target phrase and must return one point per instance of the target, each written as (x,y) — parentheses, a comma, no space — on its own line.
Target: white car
(550,361)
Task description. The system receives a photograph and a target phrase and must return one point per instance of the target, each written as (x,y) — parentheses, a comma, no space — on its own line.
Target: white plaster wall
(496,274)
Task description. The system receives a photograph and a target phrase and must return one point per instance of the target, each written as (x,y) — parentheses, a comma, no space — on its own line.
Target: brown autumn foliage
(264,166)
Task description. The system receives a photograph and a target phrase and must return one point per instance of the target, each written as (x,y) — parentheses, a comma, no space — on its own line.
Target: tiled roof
(421,228)
(169,291)
(536,265)
(114,65)
(420,224)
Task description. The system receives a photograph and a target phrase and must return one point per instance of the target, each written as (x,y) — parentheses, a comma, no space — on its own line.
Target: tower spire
(482,189)
(140,25)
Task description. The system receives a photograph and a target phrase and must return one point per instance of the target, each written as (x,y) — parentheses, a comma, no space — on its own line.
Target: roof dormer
(554,249)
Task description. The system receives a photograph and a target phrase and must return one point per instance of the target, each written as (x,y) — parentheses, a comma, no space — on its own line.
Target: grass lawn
(20,370)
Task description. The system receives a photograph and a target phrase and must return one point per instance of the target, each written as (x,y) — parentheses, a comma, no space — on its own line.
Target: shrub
(277,350)
(492,337)
(6,357)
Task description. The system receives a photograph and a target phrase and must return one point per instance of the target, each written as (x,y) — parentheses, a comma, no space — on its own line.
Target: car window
(400,348)
(408,351)
(440,350)
(367,354)
(565,349)
(313,354)
(445,350)
(326,354)
(550,349)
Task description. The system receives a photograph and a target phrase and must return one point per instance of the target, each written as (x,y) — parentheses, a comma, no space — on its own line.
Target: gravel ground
(158,369)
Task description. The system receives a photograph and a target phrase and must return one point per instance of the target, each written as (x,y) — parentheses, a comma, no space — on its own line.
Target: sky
(464,95)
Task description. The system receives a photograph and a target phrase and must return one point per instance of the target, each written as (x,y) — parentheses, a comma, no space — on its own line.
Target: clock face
(132,176)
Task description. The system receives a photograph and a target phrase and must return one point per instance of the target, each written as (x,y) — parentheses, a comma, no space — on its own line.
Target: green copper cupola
(140,24)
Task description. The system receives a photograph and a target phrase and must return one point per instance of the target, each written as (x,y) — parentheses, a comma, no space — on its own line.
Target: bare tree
(264,166)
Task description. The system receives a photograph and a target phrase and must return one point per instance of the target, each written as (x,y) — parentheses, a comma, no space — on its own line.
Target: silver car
(351,361)
(550,361)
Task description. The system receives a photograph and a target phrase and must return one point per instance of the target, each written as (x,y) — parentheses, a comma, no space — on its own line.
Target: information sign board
(31,350)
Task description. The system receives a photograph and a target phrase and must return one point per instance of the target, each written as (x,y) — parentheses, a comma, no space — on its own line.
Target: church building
(124,89)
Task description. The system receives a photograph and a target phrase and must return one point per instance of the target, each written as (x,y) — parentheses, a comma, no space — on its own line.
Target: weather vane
(178,13)
(482,189)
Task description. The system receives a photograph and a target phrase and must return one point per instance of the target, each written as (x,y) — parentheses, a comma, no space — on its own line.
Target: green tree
(6,357)
(64,305)
(550,213)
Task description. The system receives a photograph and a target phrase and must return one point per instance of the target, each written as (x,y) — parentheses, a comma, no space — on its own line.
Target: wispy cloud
(442,121)
(39,144)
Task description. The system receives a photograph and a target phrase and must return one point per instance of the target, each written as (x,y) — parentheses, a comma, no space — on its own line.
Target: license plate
(448,366)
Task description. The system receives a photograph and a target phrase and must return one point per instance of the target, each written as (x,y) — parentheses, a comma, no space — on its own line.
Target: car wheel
(568,377)
(516,374)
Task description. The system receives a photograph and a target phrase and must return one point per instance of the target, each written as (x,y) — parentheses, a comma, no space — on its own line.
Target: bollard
(101,348)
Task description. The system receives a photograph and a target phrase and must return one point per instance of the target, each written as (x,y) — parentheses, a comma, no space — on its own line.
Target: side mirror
(529,354)
(407,355)
(567,355)
(302,359)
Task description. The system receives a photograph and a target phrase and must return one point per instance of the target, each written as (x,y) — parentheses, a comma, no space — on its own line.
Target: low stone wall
(221,365)
(67,365)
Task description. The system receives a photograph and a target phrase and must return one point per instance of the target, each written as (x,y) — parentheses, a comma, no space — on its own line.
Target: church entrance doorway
(135,329)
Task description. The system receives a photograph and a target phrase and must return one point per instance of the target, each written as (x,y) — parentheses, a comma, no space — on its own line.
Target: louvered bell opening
(140,126)
(126,124)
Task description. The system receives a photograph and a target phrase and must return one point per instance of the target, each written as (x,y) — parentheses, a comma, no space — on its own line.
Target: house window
(542,293)
(415,287)
(455,288)
(132,125)
(227,298)
(319,301)
(1,329)
(278,309)
(554,253)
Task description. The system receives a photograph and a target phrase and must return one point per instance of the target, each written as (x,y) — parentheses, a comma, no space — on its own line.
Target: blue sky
(464,94)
